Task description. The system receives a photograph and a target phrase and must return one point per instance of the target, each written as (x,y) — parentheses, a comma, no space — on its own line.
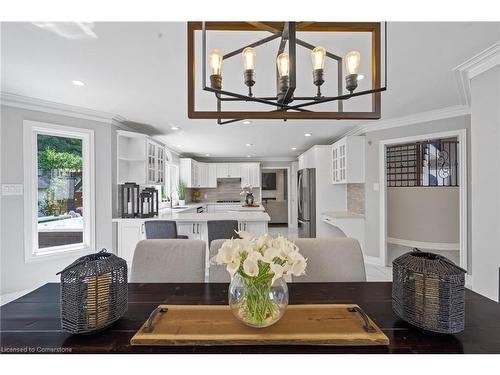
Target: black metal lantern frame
(285,90)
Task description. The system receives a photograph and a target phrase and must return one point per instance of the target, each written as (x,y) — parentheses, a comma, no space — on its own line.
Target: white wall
(485,148)
(16,275)
(372,204)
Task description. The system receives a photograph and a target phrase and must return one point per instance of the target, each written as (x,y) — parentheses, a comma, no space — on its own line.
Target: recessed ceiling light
(78,83)
(174,127)
(179,145)
(247,122)
(307,135)
(360,77)
(249,156)
(249,144)
(207,154)
(294,148)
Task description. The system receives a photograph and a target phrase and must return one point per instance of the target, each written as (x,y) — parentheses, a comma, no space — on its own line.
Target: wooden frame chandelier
(283,103)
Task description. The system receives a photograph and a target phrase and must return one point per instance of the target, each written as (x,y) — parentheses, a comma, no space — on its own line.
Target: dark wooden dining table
(31,324)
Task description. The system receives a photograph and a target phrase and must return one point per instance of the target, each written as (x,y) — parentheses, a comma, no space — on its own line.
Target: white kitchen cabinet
(198,175)
(212,175)
(256,228)
(129,234)
(250,174)
(348,160)
(188,172)
(140,159)
(222,170)
(155,162)
(228,170)
(234,170)
(194,230)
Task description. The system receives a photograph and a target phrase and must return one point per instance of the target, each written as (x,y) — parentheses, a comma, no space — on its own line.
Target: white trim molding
(461,134)
(441,246)
(31,129)
(35,104)
(416,118)
(373,260)
(476,65)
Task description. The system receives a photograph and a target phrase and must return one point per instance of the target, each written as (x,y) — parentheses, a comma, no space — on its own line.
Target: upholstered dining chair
(331,260)
(162,229)
(221,229)
(169,261)
(217,273)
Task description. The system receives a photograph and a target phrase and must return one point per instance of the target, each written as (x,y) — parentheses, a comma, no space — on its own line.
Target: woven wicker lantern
(94,292)
(428,291)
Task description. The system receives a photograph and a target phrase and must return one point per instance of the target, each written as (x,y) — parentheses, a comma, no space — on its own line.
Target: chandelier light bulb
(318,58)
(215,61)
(352,60)
(283,64)
(249,57)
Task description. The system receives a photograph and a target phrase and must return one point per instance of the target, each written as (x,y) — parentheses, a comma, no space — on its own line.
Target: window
(430,163)
(59,190)
(171,180)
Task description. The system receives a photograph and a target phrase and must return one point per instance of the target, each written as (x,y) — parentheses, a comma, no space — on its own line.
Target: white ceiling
(138,70)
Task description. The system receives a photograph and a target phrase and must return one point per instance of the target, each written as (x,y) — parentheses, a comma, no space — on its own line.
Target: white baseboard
(372,260)
(442,246)
(468,281)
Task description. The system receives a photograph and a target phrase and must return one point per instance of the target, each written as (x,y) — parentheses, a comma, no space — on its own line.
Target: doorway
(424,196)
(276,195)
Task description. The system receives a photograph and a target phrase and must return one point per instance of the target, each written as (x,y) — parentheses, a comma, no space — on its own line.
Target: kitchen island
(129,231)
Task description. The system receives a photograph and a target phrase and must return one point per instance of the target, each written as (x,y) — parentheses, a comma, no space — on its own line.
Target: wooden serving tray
(323,324)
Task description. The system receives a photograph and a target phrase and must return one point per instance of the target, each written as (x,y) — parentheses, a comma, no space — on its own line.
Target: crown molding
(254,159)
(417,118)
(35,104)
(476,65)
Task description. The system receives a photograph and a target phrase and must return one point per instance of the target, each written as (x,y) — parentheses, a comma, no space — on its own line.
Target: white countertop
(205,216)
(343,215)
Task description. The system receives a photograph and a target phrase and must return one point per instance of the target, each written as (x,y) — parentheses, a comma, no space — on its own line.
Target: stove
(228,201)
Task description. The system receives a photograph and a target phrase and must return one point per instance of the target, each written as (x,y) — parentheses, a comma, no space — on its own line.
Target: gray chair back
(221,229)
(169,261)
(331,260)
(160,229)
(217,273)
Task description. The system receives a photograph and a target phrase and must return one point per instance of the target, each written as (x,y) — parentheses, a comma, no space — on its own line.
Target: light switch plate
(376,186)
(12,189)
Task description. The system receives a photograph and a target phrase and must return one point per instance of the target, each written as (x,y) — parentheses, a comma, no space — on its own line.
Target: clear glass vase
(256,302)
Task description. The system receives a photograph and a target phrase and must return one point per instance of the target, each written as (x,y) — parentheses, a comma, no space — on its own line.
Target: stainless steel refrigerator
(306,194)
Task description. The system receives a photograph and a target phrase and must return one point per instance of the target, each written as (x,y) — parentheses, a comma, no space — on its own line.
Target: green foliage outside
(58,153)
(50,159)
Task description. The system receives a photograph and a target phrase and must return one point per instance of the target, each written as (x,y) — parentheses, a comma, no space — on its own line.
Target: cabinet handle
(193,229)
(198,228)
(142,228)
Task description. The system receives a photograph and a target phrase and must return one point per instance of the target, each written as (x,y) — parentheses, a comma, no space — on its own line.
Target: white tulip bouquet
(260,262)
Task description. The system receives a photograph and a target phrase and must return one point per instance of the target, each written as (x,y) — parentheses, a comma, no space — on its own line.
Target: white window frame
(31,129)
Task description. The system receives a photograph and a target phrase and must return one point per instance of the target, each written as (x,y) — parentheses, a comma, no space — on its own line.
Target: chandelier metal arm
(341,97)
(253,99)
(255,44)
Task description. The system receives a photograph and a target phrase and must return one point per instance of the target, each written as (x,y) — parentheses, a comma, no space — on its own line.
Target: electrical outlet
(12,189)
(376,186)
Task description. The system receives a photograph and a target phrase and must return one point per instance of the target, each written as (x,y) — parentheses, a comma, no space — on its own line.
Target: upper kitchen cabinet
(198,175)
(228,170)
(140,159)
(348,160)
(250,174)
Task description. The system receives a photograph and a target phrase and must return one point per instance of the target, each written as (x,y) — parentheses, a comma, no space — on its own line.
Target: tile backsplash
(356,198)
(227,189)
